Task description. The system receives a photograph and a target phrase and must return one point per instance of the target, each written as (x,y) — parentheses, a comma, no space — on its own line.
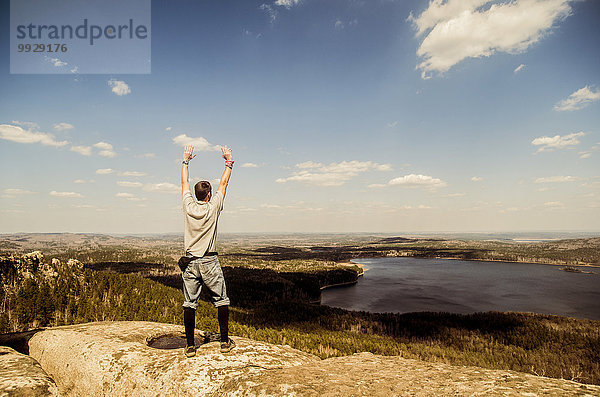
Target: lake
(405,285)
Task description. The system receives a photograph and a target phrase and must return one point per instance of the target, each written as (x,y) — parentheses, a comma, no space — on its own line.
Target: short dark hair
(202,189)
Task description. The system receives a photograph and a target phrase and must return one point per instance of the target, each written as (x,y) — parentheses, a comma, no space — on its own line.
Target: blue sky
(357,116)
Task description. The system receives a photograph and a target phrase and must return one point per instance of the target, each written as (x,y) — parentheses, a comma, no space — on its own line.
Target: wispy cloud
(66,194)
(519,68)
(455,30)
(63,126)
(250,165)
(554,204)
(56,62)
(129,197)
(132,173)
(476,179)
(106,149)
(119,87)
(199,143)
(287,3)
(557,179)
(333,174)
(13,192)
(17,134)
(83,150)
(146,155)
(578,100)
(129,184)
(104,171)
(30,125)
(414,180)
(548,143)
(588,153)
(164,187)
(271,9)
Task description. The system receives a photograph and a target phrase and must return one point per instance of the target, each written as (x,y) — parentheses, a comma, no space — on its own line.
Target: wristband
(229,163)
(185,162)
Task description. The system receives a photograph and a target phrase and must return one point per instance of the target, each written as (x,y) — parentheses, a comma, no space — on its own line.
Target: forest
(40,293)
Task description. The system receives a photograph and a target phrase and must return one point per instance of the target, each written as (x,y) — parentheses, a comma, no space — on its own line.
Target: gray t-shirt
(200,223)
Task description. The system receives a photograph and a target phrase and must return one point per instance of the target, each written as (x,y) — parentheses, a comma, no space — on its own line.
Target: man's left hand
(187,153)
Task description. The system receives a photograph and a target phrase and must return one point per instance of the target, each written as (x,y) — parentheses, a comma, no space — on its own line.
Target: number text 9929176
(36,47)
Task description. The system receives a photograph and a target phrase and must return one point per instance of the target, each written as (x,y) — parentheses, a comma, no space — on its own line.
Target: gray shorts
(204,271)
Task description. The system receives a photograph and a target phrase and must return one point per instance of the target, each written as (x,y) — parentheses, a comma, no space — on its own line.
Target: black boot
(189,321)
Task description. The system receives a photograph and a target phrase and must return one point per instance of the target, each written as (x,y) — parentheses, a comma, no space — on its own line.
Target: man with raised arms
(200,265)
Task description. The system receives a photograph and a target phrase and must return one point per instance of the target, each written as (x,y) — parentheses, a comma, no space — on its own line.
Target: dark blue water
(404,285)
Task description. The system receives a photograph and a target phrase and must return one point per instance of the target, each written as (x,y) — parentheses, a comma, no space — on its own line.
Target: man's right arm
(227,173)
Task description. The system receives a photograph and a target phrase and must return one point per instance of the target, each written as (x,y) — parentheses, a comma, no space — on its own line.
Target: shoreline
(346,263)
(466,259)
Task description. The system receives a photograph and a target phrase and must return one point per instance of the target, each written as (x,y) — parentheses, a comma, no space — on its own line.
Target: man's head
(203,190)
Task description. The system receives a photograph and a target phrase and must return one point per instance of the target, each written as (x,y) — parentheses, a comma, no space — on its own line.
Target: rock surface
(113,358)
(366,374)
(20,375)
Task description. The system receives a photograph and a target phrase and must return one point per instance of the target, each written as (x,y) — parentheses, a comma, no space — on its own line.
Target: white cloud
(119,87)
(164,187)
(106,149)
(287,3)
(17,192)
(454,195)
(519,68)
(459,29)
(200,144)
(63,126)
(132,173)
(556,179)
(554,204)
(169,128)
(18,134)
(104,171)
(477,179)
(339,25)
(30,125)
(270,206)
(146,155)
(79,181)
(249,165)
(65,194)
(393,124)
(578,100)
(129,184)
(414,180)
(128,196)
(83,150)
(333,174)
(588,153)
(548,143)
(271,11)
(56,62)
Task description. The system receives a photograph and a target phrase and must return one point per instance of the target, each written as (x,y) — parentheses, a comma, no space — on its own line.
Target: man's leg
(192,285)
(212,275)
(189,320)
(224,322)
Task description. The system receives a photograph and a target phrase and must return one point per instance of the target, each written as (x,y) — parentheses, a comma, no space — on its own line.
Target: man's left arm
(185,174)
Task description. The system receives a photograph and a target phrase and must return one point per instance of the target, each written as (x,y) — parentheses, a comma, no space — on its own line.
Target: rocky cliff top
(114,358)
